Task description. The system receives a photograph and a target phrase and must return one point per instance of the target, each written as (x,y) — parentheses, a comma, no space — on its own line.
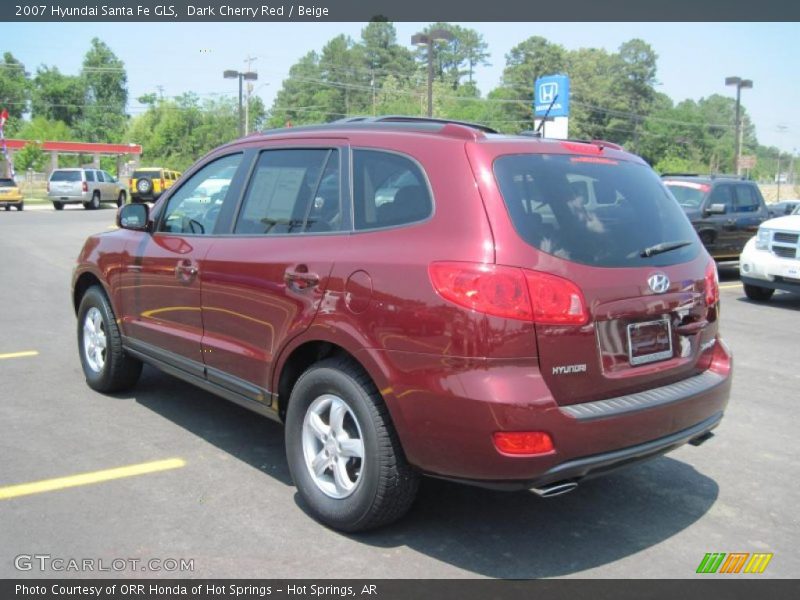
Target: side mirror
(716,209)
(134,216)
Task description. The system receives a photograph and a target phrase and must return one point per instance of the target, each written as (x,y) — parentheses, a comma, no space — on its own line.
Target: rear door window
(592,210)
(746,199)
(90,176)
(292,191)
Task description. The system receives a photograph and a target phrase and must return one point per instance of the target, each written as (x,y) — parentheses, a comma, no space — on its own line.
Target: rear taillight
(162,183)
(510,292)
(712,284)
(555,300)
(526,443)
(85,187)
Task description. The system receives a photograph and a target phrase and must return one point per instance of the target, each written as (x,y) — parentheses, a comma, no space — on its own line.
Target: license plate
(649,341)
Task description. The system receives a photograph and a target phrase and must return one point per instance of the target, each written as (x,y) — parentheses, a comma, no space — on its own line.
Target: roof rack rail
(409,119)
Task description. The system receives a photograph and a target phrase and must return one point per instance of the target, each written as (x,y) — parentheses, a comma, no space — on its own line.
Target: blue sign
(551,89)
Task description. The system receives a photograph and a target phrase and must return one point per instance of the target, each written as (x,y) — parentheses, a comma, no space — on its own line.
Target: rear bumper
(446,415)
(599,464)
(10,202)
(69,198)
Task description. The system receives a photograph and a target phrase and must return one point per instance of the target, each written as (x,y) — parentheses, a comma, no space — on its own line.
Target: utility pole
(740,85)
(427,39)
(249,60)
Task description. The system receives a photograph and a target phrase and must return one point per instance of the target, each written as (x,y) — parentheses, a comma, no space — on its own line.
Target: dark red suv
(419,297)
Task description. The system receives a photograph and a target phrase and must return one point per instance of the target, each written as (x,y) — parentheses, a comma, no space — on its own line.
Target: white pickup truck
(771,260)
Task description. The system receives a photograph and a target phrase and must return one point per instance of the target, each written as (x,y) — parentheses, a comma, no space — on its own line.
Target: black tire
(21,206)
(121,199)
(94,203)
(387,484)
(144,186)
(759,294)
(7,207)
(119,371)
(58,205)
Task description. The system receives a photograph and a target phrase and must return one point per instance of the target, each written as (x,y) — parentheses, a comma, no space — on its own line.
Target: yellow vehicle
(10,194)
(147,184)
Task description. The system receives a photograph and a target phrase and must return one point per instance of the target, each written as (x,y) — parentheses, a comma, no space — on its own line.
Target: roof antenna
(544,118)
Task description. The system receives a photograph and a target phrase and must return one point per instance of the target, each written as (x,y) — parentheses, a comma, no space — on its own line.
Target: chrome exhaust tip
(554,489)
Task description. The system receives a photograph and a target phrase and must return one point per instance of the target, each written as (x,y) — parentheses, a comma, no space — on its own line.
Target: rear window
(65,176)
(146,174)
(594,211)
(688,193)
(7,183)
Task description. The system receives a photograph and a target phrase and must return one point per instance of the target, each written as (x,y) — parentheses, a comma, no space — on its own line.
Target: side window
(194,208)
(388,190)
(722,194)
(292,191)
(746,199)
(89,175)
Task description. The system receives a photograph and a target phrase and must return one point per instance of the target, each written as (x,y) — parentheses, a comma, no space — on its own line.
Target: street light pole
(241,76)
(427,39)
(740,84)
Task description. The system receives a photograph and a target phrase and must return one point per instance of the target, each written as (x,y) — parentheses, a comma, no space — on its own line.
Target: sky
(694,58)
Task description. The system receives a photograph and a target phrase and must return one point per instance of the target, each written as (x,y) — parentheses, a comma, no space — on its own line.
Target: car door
(264,283)
(160,285)
(725,240)
(749,210)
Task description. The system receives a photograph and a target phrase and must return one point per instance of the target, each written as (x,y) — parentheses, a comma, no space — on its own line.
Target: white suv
(89,187)
(771,260)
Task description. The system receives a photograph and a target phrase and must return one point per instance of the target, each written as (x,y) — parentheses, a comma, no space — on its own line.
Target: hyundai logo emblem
(658,282)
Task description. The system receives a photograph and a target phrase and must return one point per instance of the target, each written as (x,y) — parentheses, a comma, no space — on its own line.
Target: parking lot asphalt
(179,474)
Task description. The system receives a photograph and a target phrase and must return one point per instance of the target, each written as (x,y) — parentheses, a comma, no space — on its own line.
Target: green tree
(455,58)
(56,96)
(105,81)
(30,157)
(14,90)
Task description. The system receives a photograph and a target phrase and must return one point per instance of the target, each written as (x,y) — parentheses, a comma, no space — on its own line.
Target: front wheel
(105,364)
(343,453)
(759,294)
(121,199)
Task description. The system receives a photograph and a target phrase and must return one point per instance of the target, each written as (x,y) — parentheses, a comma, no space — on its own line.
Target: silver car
(89,187)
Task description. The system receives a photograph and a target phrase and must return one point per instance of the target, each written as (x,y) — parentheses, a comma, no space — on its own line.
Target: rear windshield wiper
(664,247)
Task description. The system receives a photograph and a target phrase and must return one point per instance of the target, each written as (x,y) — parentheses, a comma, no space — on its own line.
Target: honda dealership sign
(551,102)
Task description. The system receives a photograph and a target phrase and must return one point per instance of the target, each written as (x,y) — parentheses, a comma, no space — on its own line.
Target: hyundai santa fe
(419,297)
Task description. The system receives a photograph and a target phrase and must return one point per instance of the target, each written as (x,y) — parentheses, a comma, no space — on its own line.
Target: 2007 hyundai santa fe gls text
(419,297)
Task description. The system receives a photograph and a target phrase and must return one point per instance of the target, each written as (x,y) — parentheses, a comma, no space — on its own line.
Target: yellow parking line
(730,286)
(49,485)
(19,354)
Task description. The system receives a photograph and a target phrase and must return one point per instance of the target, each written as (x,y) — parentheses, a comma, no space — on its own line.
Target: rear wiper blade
(664,247)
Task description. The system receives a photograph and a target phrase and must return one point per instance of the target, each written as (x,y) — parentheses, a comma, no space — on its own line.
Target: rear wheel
(94,203)
(757,293)
(343,453)
(106,366)
(58,205)
(7,207)
(21,206)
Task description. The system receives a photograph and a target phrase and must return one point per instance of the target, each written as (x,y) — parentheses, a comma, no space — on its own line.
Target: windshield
(595,211)
(65,176)
(688,193)
(149,174)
